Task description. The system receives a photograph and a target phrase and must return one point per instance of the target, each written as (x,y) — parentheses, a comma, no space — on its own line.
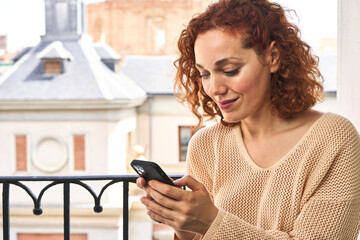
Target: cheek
(244,85)
(206,87)
(251,81)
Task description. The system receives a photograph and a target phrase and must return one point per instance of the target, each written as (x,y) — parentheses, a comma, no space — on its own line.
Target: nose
(217,85)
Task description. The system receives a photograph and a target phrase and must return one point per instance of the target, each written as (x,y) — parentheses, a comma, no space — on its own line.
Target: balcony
(66,182)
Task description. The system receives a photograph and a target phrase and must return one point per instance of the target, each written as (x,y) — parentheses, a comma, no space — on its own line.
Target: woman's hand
(191,211)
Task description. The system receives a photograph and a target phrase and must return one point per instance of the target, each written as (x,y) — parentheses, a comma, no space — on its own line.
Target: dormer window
(53,58)
(107,55)
(52,67)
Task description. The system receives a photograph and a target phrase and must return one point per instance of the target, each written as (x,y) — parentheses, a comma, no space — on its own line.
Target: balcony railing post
(126,210)
(6,211)
(66,211)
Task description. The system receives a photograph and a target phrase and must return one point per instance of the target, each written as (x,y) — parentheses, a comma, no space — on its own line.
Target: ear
(273,57)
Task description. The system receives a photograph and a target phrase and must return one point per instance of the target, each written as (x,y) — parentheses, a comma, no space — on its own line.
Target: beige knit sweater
(311,193)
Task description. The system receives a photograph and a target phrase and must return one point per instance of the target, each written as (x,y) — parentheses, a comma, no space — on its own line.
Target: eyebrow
(220,62)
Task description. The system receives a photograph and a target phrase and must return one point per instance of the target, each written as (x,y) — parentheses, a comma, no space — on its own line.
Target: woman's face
(235,78)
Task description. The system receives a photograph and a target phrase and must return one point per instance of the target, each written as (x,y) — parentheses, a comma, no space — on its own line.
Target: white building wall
(348,59)
(105,145)
(96,158)
(104,226)
(143,132)
(328,105)
(117,132)
(157,130)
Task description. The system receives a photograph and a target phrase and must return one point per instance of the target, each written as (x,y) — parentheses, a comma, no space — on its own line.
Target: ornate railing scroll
(66,181)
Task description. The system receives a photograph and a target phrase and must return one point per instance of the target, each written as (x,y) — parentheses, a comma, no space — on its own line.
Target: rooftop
(154,74)
(85,76)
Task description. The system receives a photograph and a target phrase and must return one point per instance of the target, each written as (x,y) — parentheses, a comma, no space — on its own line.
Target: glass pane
(185,134)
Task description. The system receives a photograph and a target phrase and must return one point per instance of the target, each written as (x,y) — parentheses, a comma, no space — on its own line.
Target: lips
(227,103)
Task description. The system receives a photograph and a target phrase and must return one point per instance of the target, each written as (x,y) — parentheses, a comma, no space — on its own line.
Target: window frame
(193,130)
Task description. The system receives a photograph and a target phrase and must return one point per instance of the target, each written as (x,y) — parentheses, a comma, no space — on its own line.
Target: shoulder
(340,144)
(210,134)
(336,126)
(333,119)
(329,137)
(338,137)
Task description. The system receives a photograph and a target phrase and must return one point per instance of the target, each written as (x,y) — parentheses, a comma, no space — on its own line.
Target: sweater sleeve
(331,212)
(319,219)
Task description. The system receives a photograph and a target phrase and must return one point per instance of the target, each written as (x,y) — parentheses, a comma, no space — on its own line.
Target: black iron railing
(66,181)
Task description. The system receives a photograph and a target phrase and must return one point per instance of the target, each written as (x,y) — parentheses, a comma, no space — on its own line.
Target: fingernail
(142,199)
(150,183)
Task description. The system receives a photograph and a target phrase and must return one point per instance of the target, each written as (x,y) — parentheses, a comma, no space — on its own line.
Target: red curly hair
(295,87)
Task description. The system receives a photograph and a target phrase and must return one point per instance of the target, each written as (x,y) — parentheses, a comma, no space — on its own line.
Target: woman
(272,168)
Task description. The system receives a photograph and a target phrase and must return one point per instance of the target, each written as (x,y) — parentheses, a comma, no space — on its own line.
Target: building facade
(141,27)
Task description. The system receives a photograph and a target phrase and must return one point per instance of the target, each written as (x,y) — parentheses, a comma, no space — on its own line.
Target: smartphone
(150,171)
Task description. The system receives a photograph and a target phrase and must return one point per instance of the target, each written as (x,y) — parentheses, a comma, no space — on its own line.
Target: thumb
(189,182)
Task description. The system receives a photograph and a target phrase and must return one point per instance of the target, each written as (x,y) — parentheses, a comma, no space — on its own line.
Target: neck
(262,126)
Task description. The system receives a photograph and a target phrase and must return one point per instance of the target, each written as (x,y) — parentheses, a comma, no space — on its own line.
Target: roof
(105,52)
(21,54)
(155,74)
(85,77)
(55,50)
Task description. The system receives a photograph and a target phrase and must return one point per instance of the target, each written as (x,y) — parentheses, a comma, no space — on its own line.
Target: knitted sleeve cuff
(215,225)
(196,237)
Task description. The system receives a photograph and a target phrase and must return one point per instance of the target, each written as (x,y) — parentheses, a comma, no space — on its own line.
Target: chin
(231,120)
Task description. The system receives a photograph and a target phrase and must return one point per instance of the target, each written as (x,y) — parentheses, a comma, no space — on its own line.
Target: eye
(204,76)
(232,72)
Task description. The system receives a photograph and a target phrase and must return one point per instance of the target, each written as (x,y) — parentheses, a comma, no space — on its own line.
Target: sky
(23,20)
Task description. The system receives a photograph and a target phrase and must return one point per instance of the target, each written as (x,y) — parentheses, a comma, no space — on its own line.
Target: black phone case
(150,171)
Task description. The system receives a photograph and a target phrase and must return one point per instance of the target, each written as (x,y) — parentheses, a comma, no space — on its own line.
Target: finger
(140,182)
(158,209)
(164,200)
(189,182)
(147,191)
(167,190)
(158,218)
(149,196)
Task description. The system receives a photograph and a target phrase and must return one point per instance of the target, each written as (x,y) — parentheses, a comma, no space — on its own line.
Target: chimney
(64,19)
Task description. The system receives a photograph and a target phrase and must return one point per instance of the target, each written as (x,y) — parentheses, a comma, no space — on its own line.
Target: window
(185,133)
(79,152)
(98,35)
(21,153)
(52,67)
(155,35)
